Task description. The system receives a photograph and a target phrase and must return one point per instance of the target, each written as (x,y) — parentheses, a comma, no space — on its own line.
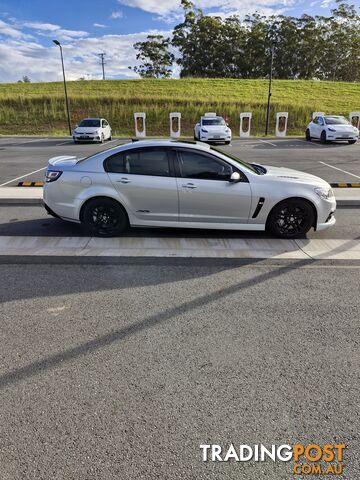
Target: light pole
(270,92)
(66,97)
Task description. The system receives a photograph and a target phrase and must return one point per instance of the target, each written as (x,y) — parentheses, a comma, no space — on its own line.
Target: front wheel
(308,136)
(291,218)
(104,217)
(351,142)
(323,138)
(227,142)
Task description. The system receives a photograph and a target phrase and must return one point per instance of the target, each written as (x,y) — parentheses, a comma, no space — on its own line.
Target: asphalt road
(25,159)
(122,371)
(34,221)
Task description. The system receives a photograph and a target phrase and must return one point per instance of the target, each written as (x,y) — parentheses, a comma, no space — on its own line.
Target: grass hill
(39,108)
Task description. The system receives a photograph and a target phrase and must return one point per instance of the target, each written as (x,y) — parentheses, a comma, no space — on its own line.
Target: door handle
(189,185)
(124,180)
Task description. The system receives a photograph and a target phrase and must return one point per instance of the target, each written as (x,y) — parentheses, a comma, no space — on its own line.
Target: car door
(205,193)
(314,128)
(145,182)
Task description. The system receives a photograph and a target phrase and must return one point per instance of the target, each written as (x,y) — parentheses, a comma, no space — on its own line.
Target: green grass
(39,108)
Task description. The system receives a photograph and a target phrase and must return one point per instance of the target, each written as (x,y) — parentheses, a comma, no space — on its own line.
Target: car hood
(290,175)
(342,128)
(87,129)
(63,161)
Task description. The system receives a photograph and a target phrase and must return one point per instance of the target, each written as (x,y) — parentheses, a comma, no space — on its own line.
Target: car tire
(291,218)
(351,142)
(104,217)
(308,136)
(195,138)
(227,142)
(323,138)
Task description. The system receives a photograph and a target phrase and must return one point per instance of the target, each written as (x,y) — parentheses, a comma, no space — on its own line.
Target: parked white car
(212,128)
(92,130)
(190,185)
(328,128)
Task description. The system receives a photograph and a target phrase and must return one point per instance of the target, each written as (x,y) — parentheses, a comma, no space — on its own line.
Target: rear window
(147,161)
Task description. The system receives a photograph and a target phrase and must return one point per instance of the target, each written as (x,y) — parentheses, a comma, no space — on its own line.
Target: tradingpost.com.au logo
(311,459)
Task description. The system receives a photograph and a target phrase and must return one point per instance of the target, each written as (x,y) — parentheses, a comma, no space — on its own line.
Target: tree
(156,59)
(25,79)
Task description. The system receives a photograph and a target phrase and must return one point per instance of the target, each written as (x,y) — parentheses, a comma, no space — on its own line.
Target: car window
(320,121)
(213,121)
(90,122)
(336,121)
(197,165)
(147,161)
(316,120)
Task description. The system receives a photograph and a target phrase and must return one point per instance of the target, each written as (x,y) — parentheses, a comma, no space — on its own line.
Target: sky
(88,27)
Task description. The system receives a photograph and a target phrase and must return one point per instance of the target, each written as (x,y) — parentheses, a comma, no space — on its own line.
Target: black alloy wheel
(291,218)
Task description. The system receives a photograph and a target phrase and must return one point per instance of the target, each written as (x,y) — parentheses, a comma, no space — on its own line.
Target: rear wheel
(307,135)
(291,218)
(351,142)
(323,138)
(104,217)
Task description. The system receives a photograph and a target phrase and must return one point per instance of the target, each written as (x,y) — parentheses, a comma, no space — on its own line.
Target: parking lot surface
(25,159)
(122,371)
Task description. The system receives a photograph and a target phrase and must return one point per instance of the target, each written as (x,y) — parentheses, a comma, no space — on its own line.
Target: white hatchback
(328,128)
(176,184)
(92,130)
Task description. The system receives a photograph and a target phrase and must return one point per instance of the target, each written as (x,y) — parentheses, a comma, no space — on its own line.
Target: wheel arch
(312,205)
(97,197)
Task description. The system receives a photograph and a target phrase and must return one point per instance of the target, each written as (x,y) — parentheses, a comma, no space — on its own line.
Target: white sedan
(212,128)
(92,130)
(328,128)
(184,185)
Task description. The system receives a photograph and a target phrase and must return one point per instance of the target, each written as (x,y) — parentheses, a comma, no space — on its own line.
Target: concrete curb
(33,196)
(180,248)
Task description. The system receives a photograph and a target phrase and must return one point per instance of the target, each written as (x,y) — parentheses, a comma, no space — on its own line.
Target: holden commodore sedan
(328,128)
(191,185)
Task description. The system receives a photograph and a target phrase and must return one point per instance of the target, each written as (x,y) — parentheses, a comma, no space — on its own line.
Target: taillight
(52,175)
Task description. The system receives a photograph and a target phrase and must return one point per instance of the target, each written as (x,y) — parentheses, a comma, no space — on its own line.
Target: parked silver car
(192,185)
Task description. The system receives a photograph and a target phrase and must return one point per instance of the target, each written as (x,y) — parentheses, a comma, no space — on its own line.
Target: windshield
(213,121)
(90,122)
(336,121)
(241,162)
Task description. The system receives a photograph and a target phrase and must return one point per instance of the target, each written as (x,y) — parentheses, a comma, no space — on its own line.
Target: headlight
(324,192)
(204,130)
(332,129)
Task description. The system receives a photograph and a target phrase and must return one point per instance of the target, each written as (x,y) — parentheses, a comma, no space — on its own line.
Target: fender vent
(258,207)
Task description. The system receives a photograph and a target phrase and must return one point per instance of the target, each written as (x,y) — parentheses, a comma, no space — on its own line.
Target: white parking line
(29,141)
(267,141)
(340,169)
(23,176)
(63,143)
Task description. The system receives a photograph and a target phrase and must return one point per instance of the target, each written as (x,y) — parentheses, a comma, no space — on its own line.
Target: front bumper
(328,224)
(86,138)
(215,138)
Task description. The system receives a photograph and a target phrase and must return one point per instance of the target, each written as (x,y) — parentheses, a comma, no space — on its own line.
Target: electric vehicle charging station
(281,124)
(245,124)
(354,118)
(175,124)
(140,124)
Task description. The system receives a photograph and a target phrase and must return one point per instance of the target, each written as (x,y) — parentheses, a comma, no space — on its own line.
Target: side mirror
(235,177)
(76,125)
